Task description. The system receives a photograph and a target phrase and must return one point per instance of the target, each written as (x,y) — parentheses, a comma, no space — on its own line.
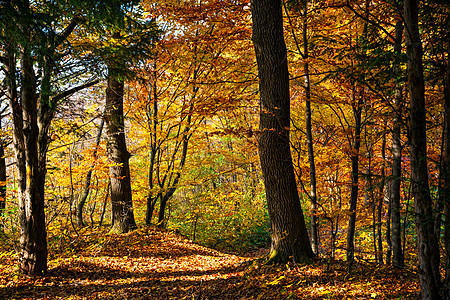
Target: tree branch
(74,90)
(67,31)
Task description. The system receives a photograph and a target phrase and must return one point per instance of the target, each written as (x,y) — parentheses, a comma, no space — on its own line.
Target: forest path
(156,264)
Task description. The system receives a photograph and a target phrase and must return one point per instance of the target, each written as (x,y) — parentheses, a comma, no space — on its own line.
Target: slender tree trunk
(152,124)
(428,248)
(169,193)
(119,171)
(357,106)
(380,200)
(388,224)
(446,168)
(2,178)
(309,138)
(397,254)
(357,111)
(87,182)
(288,230)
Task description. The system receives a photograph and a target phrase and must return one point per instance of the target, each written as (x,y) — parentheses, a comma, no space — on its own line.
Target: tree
(397,251)
(119,170)
(87,182)
(446,175)
(427,244)
(288,229)
(32,107)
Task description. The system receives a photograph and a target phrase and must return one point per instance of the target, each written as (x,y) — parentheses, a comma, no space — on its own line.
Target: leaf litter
(152,263)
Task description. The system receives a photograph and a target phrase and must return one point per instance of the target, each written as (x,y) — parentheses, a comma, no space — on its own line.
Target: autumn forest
(224,149)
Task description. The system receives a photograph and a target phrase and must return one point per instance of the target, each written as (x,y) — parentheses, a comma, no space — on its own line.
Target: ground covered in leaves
(156,264)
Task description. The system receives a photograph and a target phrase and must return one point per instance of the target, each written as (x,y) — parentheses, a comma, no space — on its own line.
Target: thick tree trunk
(288,230)
(119,171)
(33,235)
(397,253)
(427,244)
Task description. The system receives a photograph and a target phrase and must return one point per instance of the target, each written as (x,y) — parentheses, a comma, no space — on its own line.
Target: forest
(224,149)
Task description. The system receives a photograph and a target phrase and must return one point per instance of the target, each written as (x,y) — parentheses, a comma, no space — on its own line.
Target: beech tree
(427,242)
(394,197)
(119,170)
(288,229)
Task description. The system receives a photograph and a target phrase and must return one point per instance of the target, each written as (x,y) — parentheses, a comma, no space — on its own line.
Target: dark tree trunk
(152,126)
(446,175)
(119,171)
(380,200)
(357,106)
(397,253)
(427,243)
(33,235)
(357,111)
(288,230)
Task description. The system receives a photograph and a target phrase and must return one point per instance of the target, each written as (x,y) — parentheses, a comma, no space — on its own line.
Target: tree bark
(397,253)
(288,230)
(119,171)
(427,244)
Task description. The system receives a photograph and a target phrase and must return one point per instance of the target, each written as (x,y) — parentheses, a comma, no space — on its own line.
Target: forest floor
(156,264)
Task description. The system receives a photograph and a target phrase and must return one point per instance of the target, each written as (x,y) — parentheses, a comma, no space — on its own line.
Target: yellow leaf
(277,281)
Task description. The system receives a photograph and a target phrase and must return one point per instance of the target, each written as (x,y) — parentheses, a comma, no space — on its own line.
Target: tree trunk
(33,235)
(388,225)
(446,175)
(309,139)
(428,248)
(152,126)
(119,171)
(2,178)
(380,200)
(173,187)
(357,106)
(288,230)
(397,253)
(87,182)
(357,110)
